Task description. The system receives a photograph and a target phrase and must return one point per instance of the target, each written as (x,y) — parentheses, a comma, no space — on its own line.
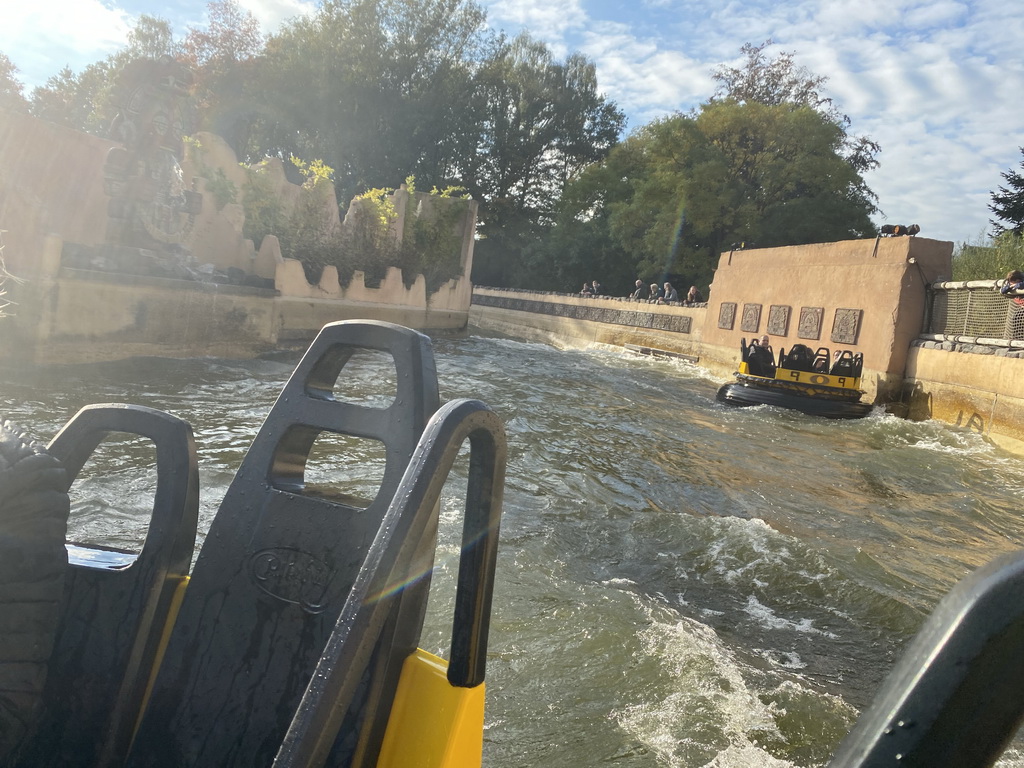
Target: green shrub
(991,260)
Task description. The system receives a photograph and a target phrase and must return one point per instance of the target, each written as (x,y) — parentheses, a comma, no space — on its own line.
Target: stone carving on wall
(151,206)
(846,326)
(810,322)
(751,319)
(778,320)
(727,315)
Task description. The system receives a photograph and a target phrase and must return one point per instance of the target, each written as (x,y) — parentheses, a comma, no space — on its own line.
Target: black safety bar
(318,720)
(116,604)
(954,699)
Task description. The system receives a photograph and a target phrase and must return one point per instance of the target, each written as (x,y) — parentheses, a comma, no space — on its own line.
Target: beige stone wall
(568,331)
(51,181)
(982,393)
(51,192)
(57,320)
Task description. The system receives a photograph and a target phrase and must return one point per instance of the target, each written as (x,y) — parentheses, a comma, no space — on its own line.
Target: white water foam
(710,713)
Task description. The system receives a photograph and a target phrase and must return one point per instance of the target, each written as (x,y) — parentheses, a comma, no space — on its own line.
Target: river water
(679,583)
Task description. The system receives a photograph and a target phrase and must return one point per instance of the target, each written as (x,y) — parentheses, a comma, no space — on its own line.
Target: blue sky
(938,83)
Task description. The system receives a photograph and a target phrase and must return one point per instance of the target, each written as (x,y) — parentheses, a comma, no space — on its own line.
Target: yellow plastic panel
(433,724)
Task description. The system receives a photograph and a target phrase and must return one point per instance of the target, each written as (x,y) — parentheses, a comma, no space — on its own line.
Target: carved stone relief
(846,326)
(810,322)
(750,322)
(727,315)
(778,320)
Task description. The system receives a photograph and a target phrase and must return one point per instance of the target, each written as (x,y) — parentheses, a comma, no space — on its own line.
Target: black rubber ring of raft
(735,393)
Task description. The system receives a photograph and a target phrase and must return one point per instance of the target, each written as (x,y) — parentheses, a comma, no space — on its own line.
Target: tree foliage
(224,59)
(767,161)
(11,89)
(1008,203)
(777,81)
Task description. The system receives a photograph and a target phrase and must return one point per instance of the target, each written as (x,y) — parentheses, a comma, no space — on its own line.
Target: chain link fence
(975,313)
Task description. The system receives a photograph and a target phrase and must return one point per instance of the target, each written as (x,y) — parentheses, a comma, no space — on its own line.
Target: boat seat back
(760,361)
(800,358)
(280,560)
(117,605)
(953,699)
(822,356)
(848,364)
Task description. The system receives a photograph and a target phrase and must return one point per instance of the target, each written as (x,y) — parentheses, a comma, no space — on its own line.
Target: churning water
(679,583)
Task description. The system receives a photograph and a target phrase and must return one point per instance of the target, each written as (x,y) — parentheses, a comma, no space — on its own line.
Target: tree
(11,96)
(682,189)
(223,59)
(82,101)
(1008,203)
(376,88)
(778,81)
(542,123)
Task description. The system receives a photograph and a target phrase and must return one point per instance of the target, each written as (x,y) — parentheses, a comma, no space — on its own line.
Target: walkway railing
(974,312)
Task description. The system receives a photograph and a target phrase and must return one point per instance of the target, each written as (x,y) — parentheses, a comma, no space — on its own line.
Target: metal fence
(974,313)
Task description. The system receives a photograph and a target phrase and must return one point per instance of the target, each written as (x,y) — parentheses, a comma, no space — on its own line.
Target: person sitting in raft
(1013,287)
(693,296)
(586,290)
(670,295)
(657,294)
(640,293)
(760,358)
(1014,282)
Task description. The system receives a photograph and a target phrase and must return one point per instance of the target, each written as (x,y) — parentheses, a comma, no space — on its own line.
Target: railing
(974,312)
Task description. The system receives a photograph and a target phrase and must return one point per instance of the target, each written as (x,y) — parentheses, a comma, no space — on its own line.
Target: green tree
(374,87)
(82,101)
(11,95)
(64,100)
(683,189)
(778,81)
(224,59)
(542,123)
(1008,203)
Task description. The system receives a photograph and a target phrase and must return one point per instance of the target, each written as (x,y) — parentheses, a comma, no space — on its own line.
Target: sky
(939,84)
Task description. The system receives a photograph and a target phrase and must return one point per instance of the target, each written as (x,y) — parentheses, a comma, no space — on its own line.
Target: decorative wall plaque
(810,322)
(846,326)
(727,315)
(751,320)
(778,320)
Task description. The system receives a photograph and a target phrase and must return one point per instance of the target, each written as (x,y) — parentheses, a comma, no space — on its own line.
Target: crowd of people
(665,294)
(652,294)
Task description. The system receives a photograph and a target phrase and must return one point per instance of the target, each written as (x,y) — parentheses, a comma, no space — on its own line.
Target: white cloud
(42,38)
(271,14)
(545,20)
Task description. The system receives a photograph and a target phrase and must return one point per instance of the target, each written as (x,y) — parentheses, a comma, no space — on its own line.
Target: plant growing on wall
(264,212)
(218,184)
(432,242)
(369,236)
(311,235)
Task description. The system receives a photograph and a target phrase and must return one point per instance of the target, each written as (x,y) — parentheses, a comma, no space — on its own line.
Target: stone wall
(52,196)
(561,319)
(973,387)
